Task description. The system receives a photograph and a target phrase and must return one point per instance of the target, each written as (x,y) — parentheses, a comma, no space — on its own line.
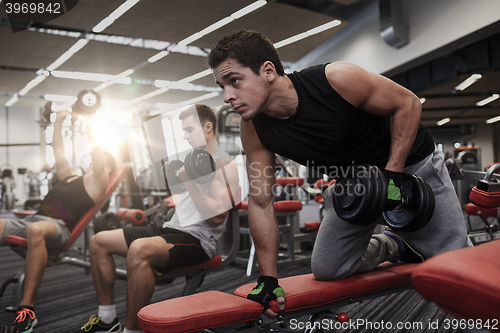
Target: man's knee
(139,250)
(35,233)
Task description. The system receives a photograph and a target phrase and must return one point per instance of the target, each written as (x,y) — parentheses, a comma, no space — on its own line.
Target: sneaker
(96,325)
(406,252)
(24,322)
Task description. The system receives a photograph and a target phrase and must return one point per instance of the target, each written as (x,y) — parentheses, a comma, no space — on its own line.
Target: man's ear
(268,70)
(208,127)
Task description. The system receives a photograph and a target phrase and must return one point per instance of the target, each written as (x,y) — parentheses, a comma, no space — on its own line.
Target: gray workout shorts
(17,227)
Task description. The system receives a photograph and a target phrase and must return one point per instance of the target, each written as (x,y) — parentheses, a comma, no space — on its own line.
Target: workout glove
(394,180)
(267,289)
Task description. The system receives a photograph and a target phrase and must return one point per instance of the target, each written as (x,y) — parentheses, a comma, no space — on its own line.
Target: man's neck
(283,99)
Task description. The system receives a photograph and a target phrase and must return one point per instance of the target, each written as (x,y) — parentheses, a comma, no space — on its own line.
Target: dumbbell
(360,198)
(106,221)
(135,216)
(87,103)
(199,166)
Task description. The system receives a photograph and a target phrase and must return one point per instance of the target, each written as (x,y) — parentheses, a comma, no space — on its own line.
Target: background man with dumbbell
(331,115)
(61,208)
(189,238)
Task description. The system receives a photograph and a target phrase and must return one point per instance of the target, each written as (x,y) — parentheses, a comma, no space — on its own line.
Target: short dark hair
(109,161)
(205,114)
(250,48)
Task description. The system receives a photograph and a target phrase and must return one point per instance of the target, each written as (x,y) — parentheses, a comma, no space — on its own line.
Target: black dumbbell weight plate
(175,184)
(427,206)
(408,213)
(348,204)
(379,195)
(200,166)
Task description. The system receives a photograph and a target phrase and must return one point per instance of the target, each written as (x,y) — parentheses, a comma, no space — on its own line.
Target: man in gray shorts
(50,227)
(331,116)
(189,238)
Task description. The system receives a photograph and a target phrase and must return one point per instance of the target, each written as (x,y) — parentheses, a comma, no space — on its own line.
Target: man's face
(243,89)
(193,132)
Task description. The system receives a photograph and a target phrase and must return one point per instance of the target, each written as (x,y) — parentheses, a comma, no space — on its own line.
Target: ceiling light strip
(488,100)
(493,120)
(211,28)
(33,83)
(68,54)
(114,15)
(164,106)
(11,101)
(308,33)
(443,121)
(158,56)
(467,82)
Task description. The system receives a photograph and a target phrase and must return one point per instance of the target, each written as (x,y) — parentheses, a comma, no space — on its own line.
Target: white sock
(126,330)
(107,313)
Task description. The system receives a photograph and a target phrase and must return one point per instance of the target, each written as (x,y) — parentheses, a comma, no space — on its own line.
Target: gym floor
(67,299)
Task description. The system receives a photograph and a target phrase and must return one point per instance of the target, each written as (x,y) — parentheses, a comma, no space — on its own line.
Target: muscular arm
(63,168)
(97,181)
(217,205)
(378,95)
(261,213)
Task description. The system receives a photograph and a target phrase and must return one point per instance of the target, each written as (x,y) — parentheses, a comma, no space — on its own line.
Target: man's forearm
(266,237)
(404,128)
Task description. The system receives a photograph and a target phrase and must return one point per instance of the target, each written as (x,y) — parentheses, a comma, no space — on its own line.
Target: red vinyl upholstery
(472,209)
(304,291)
(280,206)
(194,312)
(484,199)
(214,309)
(290,181)
(463,282)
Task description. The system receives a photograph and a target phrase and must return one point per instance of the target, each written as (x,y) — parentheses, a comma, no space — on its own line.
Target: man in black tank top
(61,208)
(330,116)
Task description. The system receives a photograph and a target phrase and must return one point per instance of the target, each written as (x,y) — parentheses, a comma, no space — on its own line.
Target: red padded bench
(463,282)
(56,256)
(304,294)
(484,204)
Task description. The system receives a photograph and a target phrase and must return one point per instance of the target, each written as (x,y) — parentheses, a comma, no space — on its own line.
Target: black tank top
(66,201)
(328,132)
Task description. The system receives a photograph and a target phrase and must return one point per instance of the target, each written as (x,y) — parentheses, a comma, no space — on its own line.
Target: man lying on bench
(326,117)
(189,238)
(61,208)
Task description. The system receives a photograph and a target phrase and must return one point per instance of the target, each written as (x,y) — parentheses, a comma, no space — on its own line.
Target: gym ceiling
(155,25)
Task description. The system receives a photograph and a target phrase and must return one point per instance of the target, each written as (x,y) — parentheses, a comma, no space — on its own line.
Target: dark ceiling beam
(459,109)
(458,94)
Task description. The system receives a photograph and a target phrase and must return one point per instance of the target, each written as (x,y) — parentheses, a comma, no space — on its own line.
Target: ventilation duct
(394,28)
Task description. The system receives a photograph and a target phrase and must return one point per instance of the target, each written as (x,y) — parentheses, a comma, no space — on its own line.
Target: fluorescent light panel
(91,77)
(158,56)
(488,100)
(11,101)
(493,120)
(308,33)
(470,80)
(217,25)
(114,15)
(168,106)
(443,121)
(60,98)
(248,9)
